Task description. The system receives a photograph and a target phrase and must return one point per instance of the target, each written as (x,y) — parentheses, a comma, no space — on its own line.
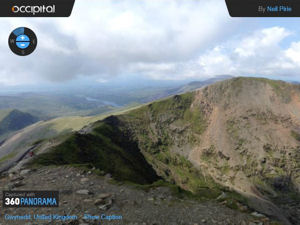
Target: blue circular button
(22,41)
(23,38)
(22,45)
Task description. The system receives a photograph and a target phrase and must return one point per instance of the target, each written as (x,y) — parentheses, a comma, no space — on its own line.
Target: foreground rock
(131,204)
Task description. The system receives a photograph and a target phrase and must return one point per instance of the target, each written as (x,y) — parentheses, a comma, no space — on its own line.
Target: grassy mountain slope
(107,149)
(4,112)
(130,126)
(45,134)
(14,120)
(242,134)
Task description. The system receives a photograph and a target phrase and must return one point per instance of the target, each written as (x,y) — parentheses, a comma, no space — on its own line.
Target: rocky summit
(233,145)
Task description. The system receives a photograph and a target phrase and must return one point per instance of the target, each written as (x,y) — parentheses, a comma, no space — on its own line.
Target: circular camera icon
(22,41)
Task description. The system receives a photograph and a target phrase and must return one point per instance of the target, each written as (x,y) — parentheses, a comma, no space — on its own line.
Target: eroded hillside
(242,134)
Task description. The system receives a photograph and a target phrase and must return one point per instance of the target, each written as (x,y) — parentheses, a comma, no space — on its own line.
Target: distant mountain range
(91,100)
(183,88)
(237,140)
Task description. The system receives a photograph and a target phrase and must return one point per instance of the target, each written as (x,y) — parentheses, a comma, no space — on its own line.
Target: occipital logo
(33,9)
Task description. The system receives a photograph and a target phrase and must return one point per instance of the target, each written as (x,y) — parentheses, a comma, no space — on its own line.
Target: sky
(170,40)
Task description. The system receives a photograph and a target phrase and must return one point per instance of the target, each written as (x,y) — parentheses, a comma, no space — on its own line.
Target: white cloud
(170,39)
(257,53)
(109,37)
(260,41)
(293,53)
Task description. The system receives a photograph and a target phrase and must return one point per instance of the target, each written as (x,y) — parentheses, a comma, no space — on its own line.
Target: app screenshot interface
(150,112)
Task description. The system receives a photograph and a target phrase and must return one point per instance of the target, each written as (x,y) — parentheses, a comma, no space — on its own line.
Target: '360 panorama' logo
(33,9)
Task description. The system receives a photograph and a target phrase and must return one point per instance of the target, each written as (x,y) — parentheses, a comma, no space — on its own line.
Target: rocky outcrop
(239,135)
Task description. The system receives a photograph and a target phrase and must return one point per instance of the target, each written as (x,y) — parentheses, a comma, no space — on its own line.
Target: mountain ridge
(238,133)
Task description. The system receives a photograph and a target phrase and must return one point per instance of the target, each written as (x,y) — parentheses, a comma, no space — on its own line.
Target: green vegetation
(296,135)
(186,175)
(106,149)
(52,131)
(177,110)
(281,88)
(162,124)
(232,128)
(225,168)
(263,186)
(176,190)
(233,200)
(15,120)
(209,154)
(7,157)
(130,145)
(114,146)
(4,113)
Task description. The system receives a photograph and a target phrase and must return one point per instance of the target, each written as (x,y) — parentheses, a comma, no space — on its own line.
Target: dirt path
(12,162)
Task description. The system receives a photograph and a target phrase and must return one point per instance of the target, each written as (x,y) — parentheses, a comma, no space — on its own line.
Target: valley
(233,143)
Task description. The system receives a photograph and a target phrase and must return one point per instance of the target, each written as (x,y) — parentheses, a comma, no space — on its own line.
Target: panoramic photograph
(148,113)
